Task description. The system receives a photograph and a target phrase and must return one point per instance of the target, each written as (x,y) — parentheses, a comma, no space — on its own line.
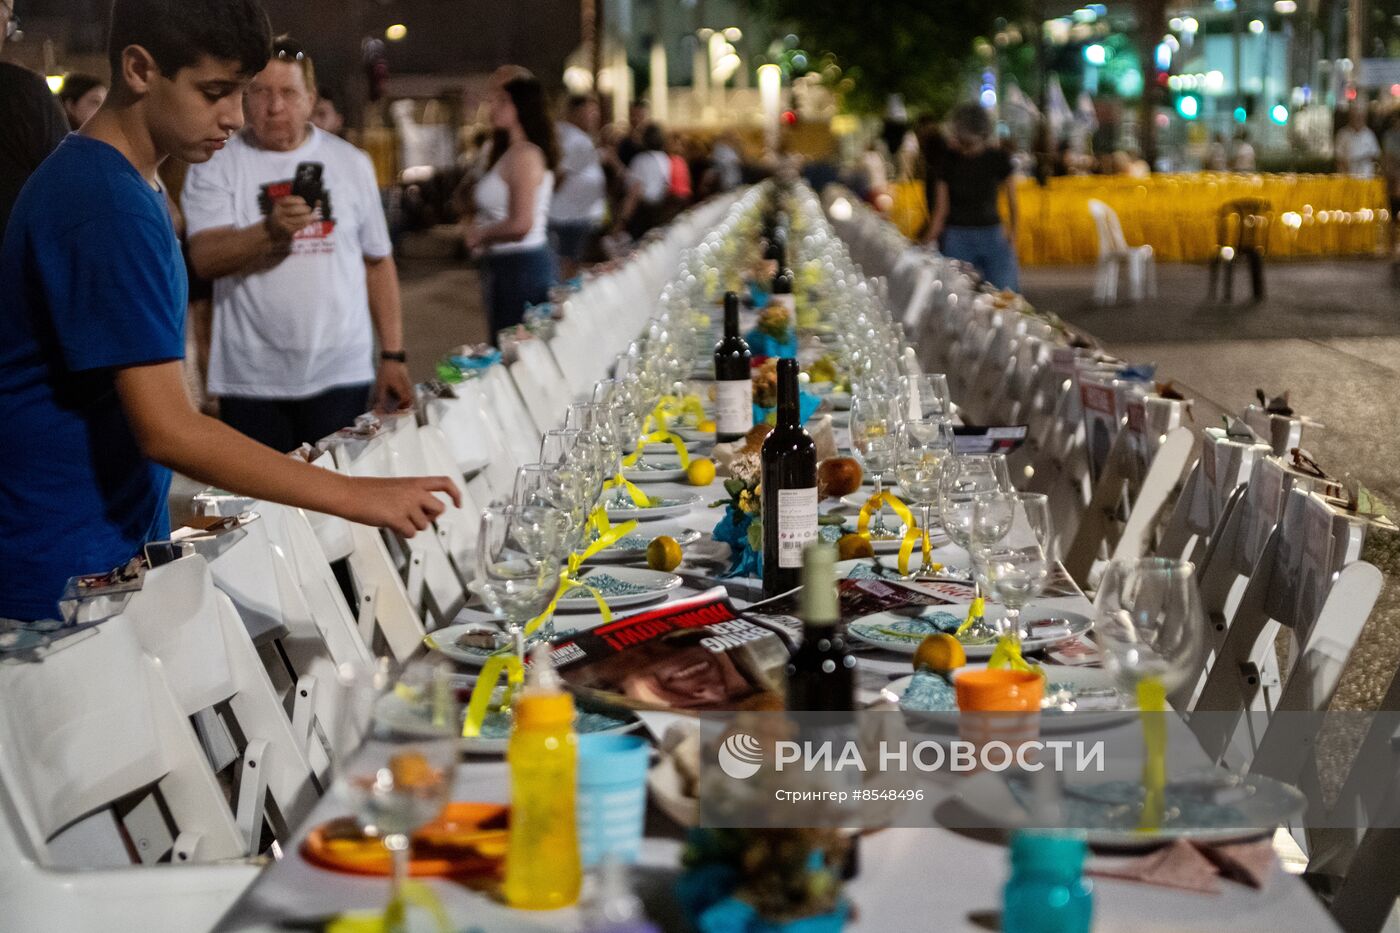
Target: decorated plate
(620,586)
(902,633)
(634,547)
(655,470)
(1215,806)
(1076,699)
(661,507)
(590,717)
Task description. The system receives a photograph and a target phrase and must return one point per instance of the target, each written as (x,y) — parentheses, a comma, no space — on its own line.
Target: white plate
(1264,805)
(1053,718)
(663,470)
(620,586)
(865,629)
(669,508)
(593,722)
(634,547)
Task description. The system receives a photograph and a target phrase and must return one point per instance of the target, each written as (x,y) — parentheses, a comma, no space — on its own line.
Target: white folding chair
(92,727)
(540,383)
(1223,466)
(214,671)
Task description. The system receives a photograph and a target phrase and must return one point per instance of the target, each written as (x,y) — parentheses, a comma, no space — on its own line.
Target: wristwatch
(393,356)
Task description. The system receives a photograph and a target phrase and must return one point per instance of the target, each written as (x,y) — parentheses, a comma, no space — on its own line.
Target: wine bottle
(781,292)
(789,471)
(821,675)
(733,379)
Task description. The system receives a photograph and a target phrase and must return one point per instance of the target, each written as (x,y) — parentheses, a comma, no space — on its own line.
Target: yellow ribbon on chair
(1152,702)
(658,437)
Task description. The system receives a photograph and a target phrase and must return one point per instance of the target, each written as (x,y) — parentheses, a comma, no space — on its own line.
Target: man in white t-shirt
(296,284)
(580,188)
(1357,148)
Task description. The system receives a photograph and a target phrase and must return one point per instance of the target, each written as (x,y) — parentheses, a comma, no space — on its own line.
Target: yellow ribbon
(911,533)
(412,893)
(478,705)
(1008,654)
(671,408)
(640,499)
(1152,701)
(658,437)
(974,612)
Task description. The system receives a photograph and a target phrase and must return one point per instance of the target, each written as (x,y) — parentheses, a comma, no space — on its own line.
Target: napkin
(1193,866)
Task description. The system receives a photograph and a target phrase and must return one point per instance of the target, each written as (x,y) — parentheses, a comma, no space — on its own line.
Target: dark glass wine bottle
(781,291)
(789,460)
(733,378)
(821,675)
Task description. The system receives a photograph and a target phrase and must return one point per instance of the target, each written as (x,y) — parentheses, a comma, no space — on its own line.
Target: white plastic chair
(1115,254)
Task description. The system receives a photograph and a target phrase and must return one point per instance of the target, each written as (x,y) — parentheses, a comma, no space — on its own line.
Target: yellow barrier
(1314,215)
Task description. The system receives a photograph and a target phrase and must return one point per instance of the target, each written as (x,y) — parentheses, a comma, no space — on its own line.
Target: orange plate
(466,839)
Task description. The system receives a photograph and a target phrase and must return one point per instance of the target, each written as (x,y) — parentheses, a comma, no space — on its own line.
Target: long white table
(909,878)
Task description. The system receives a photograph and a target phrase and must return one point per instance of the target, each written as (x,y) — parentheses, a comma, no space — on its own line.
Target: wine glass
(557,444)
(563,486)
(1150,626)
(921,446)
(418,724)
(965,477)
(1011,551)
(874,421)
(519,555)
(926,396)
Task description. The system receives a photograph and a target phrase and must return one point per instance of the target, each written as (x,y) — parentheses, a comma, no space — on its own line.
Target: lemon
(940,652)
(663,553)
(849,547)
(701,471)
(706,427)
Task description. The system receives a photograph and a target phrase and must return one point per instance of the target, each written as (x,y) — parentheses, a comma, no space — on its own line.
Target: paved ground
(1329,332)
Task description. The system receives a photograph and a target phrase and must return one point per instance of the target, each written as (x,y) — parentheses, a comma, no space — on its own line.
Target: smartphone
(306,183)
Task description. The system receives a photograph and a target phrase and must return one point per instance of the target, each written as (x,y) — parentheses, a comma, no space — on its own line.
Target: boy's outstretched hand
(406,506)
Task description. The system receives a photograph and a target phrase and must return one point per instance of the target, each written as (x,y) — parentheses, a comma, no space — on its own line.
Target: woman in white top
(648,184)
(512,200)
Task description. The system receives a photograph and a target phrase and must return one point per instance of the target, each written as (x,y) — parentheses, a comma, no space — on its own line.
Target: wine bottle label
(734,406)
(797,524)
(788,301)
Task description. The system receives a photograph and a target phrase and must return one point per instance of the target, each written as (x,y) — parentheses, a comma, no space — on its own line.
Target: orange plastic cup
(999,691)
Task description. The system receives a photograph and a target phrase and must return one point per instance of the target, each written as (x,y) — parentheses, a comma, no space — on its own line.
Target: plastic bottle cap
(543,702)
(1054,854)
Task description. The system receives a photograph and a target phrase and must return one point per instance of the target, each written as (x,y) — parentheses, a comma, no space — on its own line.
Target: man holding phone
(288,223)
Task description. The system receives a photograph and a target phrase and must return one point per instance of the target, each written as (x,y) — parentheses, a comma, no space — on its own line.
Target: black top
(33,124)
(973,182)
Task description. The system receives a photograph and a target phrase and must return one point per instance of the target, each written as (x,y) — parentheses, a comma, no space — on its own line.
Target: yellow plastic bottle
(542,865)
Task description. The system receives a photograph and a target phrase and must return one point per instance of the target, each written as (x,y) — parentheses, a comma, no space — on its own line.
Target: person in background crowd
(681,188)
(1243,159)
(1390,165)
(325,115)
(288,223)
(32,121)
(728,163)
(638,119)
(80,96)
(512,200)
(92,325)
(877,174)
(648,184)
(1216,158)
(579,204)
(972,174)
(1356,146)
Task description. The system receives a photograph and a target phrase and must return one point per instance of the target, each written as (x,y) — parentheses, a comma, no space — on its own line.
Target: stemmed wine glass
(921,446)
(564,486)
(558,444)
(418,724)
(1151,628)
(965,477)
(519,556)
(874,421)
(1011,550)
(925,396)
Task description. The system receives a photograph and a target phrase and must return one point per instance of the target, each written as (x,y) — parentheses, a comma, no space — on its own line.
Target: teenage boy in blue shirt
(92,314)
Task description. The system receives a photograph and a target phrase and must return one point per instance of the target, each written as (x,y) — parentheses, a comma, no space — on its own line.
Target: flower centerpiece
(742,525)
(775,335)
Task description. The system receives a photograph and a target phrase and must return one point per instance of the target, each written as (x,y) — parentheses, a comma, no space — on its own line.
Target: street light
(770,86)
(1095,54)
(396,32)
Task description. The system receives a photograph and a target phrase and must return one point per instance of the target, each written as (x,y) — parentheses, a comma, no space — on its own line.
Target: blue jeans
(285,424)
(510,281)
(988,250)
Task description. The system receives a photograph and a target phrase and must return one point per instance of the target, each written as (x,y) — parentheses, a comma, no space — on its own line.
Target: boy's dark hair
(653,138)
(178,33)
(327,95)
(76,85)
